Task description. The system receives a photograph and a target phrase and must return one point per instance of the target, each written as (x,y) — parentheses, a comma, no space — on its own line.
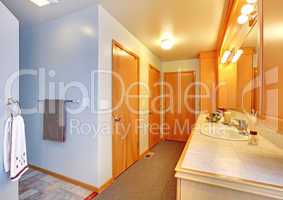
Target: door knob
(117,119)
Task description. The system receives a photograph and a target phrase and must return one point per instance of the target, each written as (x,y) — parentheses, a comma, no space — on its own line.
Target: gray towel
(54,120)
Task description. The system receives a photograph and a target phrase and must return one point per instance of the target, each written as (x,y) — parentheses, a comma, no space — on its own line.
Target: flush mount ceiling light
(225,56)
(251,1)
(167,43)
(42,3)
(247,9)
(243,19)
(237,55)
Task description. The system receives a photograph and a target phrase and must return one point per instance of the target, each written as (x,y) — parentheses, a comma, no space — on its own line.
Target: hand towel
(54,120)
(19,164)
(7,144)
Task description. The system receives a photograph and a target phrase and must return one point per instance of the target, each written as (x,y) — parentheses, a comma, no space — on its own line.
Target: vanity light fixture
(247,9)
(167,43)
(237,55)
(242,19)
(251,1)
(42,3)
(225,56)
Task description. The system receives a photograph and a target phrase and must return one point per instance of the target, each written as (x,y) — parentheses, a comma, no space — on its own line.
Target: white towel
(7,144)
(15,154)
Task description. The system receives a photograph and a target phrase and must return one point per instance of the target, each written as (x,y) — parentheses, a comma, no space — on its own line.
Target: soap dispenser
(253,138)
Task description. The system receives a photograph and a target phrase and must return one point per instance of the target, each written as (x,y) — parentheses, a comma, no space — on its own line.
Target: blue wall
(9,64)
(69,46)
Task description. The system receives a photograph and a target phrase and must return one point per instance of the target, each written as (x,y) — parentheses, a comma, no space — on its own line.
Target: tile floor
(148,179)
(35,185)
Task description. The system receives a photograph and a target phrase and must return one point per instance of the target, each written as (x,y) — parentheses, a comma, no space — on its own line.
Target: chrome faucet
(242,126)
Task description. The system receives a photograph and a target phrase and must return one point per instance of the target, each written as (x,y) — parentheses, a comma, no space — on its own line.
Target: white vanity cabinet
(211,168)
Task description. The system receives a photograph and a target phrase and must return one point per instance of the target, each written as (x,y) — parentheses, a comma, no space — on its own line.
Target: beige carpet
(148,179)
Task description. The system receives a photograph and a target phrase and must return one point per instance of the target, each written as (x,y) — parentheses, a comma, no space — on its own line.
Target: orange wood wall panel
(272,46)
(227,76)
(208,79)
(245,92)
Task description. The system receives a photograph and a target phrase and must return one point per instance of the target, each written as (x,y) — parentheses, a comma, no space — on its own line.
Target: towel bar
(66,101)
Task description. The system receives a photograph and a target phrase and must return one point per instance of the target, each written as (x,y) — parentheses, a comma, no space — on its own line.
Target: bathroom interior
(141,100)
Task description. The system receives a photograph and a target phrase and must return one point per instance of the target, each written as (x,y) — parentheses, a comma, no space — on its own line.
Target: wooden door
(125,104)
(179,94)
(154,106)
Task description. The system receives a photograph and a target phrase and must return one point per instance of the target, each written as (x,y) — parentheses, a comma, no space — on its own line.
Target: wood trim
(208,55)
(186,71)
(74,181)
(154,68)
(158,71)
(260,58)
(65,178)
(224,24)
(175,140)
(106,185)
(144,153)
(117,44)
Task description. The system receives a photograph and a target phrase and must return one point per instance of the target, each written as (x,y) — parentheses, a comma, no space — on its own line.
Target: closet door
(179,93)
(154,106)
(125,104)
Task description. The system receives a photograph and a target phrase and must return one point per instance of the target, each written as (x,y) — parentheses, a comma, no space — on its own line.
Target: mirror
(238,72)
(247,95)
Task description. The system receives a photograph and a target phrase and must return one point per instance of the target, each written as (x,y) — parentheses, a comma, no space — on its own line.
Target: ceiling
(194,24)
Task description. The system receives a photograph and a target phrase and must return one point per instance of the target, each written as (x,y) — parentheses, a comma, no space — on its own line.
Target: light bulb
(225,56)
(243,19)
(237,55)
(247,9)
(40,3)
(167,44)
(251,1)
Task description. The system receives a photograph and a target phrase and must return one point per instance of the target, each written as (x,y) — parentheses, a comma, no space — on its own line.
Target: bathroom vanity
(215,168)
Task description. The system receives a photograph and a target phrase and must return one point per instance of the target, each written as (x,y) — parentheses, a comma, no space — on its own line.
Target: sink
(221,131)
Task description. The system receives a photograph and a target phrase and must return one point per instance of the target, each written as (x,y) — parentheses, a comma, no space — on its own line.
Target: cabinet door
(208,79)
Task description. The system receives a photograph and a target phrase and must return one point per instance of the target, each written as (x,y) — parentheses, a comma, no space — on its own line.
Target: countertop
(260,165)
